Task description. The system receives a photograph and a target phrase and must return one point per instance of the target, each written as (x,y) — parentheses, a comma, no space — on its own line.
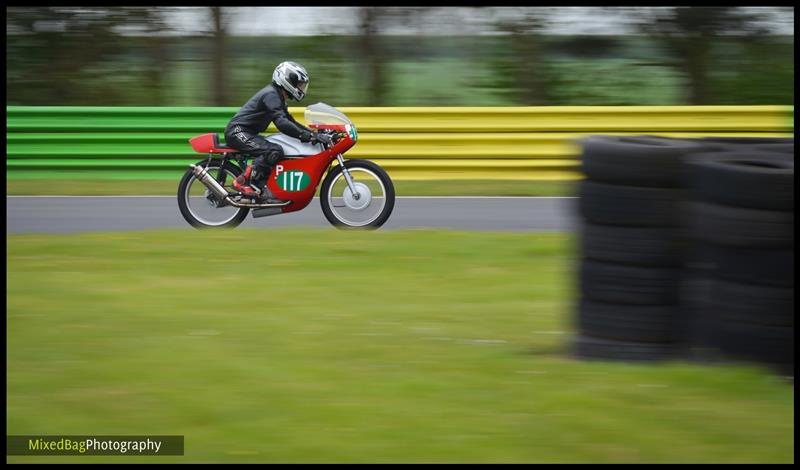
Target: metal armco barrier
(522,143)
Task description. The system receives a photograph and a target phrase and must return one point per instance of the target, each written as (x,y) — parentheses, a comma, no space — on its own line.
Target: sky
(303,21)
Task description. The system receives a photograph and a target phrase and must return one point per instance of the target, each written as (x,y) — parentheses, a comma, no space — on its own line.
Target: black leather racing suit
(242,132)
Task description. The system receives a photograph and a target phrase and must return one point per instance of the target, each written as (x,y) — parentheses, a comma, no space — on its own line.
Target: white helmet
(293,78)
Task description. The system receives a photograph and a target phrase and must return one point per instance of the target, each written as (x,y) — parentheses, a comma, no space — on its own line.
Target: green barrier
(532,143)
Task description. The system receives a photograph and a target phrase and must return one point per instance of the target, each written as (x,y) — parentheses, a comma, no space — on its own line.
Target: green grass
(329,346)
(403,187)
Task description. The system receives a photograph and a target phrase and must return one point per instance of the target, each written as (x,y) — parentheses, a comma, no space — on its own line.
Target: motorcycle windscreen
(323,114)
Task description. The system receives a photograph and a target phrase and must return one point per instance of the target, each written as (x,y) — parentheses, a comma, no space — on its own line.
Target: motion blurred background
(409,56)
(432,345)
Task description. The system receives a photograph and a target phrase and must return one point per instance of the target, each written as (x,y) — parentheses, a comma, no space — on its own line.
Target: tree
(688,33)
(374,21)
(525,68)
(375,81)
(218,58)
(65,55)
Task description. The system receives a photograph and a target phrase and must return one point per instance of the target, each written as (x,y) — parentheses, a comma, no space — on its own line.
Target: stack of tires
(739,281)
(632,245)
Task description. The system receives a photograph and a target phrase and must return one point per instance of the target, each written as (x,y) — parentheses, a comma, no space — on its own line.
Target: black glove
(306,136)
(323,138)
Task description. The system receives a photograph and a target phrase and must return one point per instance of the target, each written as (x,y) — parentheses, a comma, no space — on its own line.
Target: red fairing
(313,166)
(305,174)
(208,143)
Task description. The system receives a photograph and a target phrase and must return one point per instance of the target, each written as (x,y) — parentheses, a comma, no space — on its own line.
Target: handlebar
(335,136)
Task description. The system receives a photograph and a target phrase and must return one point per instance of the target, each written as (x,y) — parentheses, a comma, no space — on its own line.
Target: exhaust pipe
(255,206)
(263,212)
(209,182)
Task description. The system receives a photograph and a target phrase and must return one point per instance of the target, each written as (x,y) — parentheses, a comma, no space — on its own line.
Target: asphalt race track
(69,214)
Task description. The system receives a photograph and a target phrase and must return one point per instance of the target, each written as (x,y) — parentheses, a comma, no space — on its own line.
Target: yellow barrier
(571,119)
(494,146)
(533,143)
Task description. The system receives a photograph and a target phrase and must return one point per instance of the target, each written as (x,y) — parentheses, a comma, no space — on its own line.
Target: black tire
(639,323)
(739,142)
(758,343)
(587,347)
(757,305)
(182,187)
(699,259)
(366,164)
(734,226)
(753,265)
(632,206)
(632,245)
(635,285)
(777,148)
(698,323)
(636,160)
(753,179)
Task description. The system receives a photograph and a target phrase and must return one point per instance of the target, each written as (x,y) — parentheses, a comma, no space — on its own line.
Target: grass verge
(328,346)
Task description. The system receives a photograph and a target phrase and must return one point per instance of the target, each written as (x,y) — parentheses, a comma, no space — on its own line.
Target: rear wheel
(368,207)
(201,207)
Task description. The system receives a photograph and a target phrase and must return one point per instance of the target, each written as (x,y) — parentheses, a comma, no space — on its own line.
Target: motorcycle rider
(289,80)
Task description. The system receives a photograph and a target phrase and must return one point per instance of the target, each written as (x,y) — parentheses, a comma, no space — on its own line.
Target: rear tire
(183,205)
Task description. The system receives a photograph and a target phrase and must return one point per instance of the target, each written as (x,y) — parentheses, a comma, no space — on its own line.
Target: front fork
(348,178)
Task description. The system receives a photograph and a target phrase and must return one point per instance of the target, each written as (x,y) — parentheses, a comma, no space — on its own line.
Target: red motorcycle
(354,193)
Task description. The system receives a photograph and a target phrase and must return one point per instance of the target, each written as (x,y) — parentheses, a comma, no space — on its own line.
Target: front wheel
(368,207)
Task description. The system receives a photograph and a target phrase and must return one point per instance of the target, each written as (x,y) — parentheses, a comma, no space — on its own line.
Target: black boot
(259,182)
(267,197)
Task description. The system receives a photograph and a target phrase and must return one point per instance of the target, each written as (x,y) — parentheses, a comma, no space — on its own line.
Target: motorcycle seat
(218,145)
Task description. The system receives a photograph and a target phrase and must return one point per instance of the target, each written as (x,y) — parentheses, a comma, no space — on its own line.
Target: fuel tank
(293,147)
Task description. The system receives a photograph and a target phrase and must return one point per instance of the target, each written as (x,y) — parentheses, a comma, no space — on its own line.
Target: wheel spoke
(205,207)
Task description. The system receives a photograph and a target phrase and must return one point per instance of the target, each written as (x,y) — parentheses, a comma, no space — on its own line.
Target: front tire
(201,208)
(345,210)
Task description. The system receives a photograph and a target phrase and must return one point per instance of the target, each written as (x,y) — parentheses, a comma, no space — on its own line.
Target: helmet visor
(302,86)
